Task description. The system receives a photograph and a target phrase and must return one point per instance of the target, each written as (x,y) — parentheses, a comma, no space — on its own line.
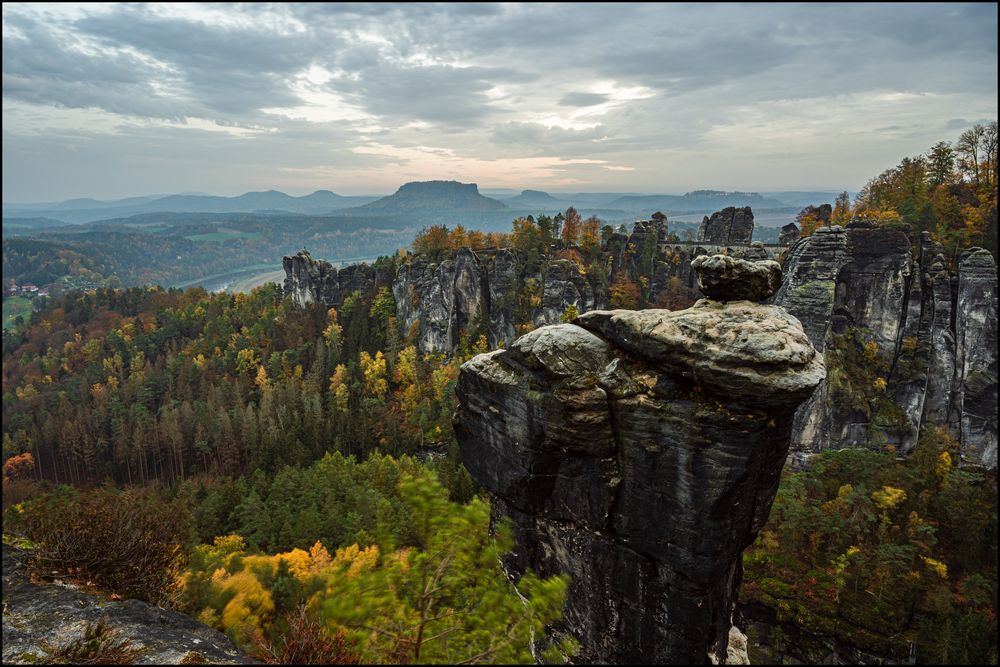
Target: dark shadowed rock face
(789,234)
(728,226)
(725,278)
(57,614)
(639,452)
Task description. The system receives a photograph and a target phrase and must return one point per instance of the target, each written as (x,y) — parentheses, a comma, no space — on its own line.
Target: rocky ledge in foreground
(639,452)
(40,616)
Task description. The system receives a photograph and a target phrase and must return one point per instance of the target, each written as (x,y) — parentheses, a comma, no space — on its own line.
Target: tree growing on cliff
(624,293)
(571,227)
(433,241)
(590,238)
(841,214)
(808,220)
(940,163)
(977,155)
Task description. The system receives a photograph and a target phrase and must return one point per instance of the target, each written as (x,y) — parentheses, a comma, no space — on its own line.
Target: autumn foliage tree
(439,597)
(624,293)
(590,237)
(571,227)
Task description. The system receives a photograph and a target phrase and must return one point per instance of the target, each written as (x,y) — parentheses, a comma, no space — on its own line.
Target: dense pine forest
(282,472)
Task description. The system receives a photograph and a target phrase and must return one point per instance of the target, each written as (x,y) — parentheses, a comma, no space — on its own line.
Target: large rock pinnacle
(726,278)
(639,452)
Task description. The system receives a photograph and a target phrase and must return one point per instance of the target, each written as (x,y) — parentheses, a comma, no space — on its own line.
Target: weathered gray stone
(728,227)
(563,286)
(753,354)
(810,281)
(976,356)
(311,281)
(789,234)
(36,615)
(725,278)
(639,452)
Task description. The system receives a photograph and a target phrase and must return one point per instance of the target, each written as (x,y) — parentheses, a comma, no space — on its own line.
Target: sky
(115,100)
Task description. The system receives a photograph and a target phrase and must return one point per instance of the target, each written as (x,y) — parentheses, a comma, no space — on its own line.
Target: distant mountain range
(424,201)
(321,202)
(694,201)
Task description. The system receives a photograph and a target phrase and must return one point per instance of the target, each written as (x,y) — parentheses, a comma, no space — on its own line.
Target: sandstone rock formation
(639,452)
(936,330)
(728,278)
(932,325)
(728,227)
(311,281)
(976,355)
(789,234)
(480,291)
(54,615)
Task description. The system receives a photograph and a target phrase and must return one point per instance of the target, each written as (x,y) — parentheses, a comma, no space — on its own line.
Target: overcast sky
(110,101)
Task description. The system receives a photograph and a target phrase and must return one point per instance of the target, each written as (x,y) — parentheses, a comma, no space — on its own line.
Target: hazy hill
(802,198)
(24,225)
(432,195)
(698,200)
(534,198)
(89,210)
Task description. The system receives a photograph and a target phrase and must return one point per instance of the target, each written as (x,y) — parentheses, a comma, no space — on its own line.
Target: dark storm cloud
(228,70)
(39,68)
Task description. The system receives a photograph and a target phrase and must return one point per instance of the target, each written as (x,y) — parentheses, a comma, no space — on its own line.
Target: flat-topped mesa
(639,452)
(726,278)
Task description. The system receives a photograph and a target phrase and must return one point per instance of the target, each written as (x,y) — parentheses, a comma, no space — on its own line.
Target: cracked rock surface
(726,278)
(54,615)
(639,452)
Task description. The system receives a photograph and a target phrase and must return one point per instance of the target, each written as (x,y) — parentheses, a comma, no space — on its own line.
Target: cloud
(655,97)
(582,99)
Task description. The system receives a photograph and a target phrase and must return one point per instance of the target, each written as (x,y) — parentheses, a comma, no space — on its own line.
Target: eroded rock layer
(639,452)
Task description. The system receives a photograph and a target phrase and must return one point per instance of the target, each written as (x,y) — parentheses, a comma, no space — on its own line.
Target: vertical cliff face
(932,327)
(639,452)
(492,292)
(479,292)
(311,281)
(728,226)
(976,355)
(789,234)
(936,330)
